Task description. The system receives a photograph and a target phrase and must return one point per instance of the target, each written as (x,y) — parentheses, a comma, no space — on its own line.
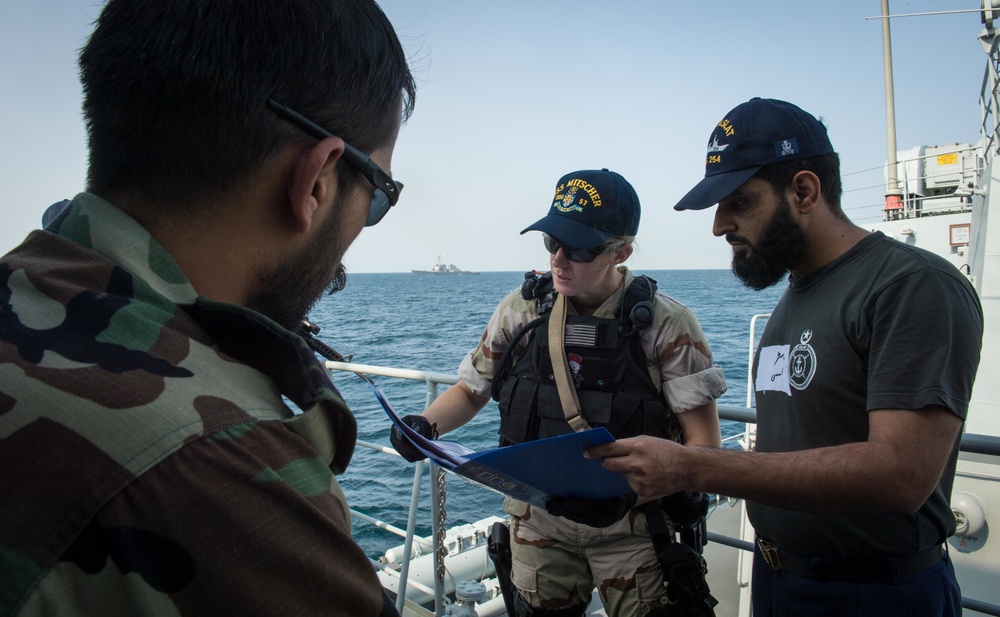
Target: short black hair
(827,169)
(176,91)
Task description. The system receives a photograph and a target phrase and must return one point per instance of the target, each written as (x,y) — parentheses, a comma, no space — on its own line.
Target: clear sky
(513,94)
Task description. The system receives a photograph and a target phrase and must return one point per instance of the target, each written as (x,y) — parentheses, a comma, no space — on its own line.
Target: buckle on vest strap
(770,554)
(578,423)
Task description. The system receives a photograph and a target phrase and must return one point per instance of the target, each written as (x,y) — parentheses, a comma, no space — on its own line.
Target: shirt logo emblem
(803,362)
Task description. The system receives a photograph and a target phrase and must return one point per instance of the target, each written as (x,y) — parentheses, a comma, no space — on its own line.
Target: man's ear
(806,190)
(313,180)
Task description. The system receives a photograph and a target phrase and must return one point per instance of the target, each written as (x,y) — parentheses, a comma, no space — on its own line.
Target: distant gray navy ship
(440,268)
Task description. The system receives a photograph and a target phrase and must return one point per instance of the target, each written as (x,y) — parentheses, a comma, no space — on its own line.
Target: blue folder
(533,472)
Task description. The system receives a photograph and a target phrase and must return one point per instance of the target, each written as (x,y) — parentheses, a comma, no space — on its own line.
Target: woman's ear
(623,253)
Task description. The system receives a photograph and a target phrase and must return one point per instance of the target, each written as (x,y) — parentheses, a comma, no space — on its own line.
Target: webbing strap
(560,367)
(659,531)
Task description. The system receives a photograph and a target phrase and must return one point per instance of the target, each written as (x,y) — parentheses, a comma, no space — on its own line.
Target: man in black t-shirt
(862,380)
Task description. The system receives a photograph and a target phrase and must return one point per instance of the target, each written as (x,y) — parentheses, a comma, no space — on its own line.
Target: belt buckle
(770,554)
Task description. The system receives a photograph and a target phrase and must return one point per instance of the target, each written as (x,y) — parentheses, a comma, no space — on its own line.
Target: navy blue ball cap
(754,134)
(589,208)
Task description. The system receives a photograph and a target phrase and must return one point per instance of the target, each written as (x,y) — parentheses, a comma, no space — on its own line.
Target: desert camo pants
(557,563)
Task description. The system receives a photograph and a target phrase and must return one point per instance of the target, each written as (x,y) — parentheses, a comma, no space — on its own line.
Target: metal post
(432,392)
(893,196)
(411,525)
(437,528)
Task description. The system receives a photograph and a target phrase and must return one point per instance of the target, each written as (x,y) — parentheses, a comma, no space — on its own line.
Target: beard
(780,246)
(289,291)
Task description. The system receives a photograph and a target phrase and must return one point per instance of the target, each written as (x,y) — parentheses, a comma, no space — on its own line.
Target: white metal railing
(989,95)
(917,205)
(432,380)
(751,346)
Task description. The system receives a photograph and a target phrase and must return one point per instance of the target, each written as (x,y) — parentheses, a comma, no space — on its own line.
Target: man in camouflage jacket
(149,464)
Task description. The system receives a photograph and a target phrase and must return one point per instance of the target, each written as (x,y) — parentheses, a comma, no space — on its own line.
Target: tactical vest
(607,365)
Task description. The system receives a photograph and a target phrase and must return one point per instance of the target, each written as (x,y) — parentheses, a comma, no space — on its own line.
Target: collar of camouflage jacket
(244,335)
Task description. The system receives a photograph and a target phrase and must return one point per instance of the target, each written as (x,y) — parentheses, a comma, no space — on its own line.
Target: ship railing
(955,199)
(970,443)
(962,197)
(927,194)
(989,94)
(432,381)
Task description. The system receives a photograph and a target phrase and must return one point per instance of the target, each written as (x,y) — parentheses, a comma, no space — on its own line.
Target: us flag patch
(581,335)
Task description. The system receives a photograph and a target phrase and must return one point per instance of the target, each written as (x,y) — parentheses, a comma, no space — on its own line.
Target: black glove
(402,445)
(594,513)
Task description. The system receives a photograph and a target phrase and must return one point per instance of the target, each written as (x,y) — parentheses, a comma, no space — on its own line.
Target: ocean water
(430,323)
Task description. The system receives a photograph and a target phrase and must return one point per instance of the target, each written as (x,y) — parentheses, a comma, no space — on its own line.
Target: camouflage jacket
(148,463)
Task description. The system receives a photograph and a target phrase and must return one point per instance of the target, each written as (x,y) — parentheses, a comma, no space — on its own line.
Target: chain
(442,550)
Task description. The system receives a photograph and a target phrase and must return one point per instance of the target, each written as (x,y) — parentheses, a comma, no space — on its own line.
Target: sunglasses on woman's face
(582,256)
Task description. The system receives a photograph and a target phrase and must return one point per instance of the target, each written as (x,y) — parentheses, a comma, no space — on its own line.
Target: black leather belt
(884,569)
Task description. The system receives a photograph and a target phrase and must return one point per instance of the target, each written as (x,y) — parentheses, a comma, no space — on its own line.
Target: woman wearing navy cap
(635,361)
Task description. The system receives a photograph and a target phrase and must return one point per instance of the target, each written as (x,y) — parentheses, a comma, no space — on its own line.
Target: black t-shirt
(884,326)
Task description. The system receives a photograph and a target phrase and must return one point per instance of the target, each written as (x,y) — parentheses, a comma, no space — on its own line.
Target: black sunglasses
(386,189)
(583,256)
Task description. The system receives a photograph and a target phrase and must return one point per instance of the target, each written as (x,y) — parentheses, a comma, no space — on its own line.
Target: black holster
(688,512)
(498,548)
(683,566)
